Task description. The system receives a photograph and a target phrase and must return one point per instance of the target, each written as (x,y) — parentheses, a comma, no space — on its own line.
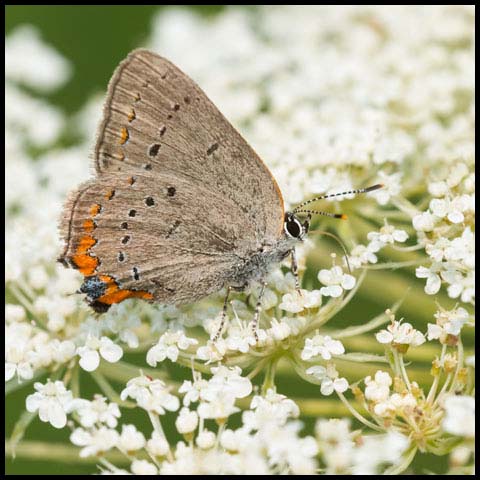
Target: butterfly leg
(257,311)
(224,316)
(294,268)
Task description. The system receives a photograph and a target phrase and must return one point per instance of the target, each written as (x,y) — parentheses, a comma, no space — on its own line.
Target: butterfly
(180,206)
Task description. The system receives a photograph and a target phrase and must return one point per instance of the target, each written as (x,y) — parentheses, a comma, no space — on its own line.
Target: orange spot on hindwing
(123,135)
(89,225)
(114,294)
(95,209)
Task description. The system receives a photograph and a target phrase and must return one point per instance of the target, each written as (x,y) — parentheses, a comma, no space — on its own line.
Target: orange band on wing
(85,263)
(114,294)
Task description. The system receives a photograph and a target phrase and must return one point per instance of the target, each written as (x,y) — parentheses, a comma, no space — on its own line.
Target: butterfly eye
(293,227)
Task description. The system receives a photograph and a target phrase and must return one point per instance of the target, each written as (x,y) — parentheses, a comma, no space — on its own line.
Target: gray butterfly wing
(180,200)
(150,237)
(156,119)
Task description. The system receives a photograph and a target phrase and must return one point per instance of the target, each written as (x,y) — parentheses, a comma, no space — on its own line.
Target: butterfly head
(294,228)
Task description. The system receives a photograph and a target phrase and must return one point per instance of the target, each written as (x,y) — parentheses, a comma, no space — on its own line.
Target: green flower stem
(405,206)
(75,380)
(459,363)
(395,265)
(110,466)
(14,384)
(189,361)
(269,380)
(403,371)
(356,330)
(123,371)
(357,415)
(157,426)
(436,379)
(19,430)
(446,384)
(257,369)
(58,452)
(24,301)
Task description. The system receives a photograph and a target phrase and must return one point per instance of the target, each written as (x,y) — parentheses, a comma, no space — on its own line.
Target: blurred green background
(94,39)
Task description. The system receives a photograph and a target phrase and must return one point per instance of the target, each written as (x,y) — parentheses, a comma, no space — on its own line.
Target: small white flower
(143,467)
(329,385)
(212,351)
(459,415)
(227,380)
(241,337)
(151,395)
(453,209)
(98,411)
(424,222)
(279,330)
(158,445)
(432,275)
(53,401)
(94,348)
(279,405)
(62,351)
(378,390)
(321,345)
(462,286)
(205,439)
(336,281)
(187,421)
(447,323)
(298,300)
(361,255)
(168,346)
(400,334)
(388,234)
(95,442)
(329,379)
(130,439)
(391,187)
(221,406)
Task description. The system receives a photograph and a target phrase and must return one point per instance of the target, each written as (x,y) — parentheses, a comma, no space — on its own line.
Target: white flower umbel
(95,348)
(52,401)
(336,280)
(321,345)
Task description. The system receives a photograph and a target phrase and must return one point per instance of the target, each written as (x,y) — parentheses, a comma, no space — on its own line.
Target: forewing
(156,119)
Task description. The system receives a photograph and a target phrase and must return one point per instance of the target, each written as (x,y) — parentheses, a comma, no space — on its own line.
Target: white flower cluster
(332,98)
